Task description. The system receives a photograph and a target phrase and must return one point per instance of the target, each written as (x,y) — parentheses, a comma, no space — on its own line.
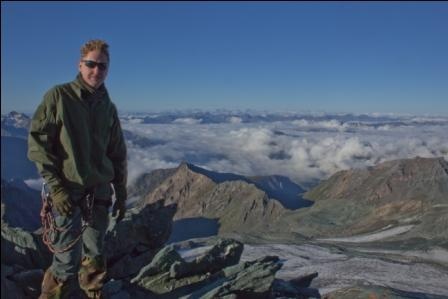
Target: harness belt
(48,220)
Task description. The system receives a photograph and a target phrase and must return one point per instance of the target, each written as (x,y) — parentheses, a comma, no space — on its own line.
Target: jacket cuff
(121,193)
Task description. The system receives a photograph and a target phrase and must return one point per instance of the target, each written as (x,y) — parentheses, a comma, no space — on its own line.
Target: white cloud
(136,120)
(143,161)
(235,120)
(187,121)
(323,124)
(298,149)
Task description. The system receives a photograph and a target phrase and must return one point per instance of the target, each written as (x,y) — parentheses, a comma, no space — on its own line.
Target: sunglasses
(92,64)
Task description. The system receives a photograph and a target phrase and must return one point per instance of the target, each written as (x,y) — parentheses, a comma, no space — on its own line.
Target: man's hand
(62,202)
(119,207)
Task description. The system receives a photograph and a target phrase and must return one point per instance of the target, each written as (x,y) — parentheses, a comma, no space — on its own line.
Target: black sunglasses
(92,64)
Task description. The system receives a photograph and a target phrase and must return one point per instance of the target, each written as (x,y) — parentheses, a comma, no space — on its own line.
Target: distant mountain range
(15,124)
(223,116)
(411,193)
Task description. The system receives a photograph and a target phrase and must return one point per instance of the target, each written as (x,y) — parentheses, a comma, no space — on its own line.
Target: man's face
(93,68)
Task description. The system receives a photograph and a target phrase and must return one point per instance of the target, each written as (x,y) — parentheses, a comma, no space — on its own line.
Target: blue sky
(359,57)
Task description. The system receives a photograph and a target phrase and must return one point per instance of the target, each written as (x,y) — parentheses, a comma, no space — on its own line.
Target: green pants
(66,265)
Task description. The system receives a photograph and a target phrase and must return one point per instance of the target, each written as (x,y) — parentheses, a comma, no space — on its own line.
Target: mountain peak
(15,120)
(17,115)
(394,180)
(184,164)
(190,171)
(201,194)
(216,177)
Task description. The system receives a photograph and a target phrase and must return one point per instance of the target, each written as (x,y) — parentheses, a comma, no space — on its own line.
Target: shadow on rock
(134,241)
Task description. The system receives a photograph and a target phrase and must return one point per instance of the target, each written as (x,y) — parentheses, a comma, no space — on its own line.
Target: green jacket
(76,139)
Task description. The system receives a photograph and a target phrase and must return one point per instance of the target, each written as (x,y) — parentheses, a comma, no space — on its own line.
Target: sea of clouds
(305,148)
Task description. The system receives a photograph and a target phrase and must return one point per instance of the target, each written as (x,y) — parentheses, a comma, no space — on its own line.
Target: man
(77,144)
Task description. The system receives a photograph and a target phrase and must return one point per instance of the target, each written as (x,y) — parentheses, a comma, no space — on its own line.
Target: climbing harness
(49,225)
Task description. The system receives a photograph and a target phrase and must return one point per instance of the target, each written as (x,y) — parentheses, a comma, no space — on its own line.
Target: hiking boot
(92,275)
(54,288)
(94,294)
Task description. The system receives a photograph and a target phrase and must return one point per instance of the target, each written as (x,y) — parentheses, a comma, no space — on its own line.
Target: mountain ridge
(391,180)
(405,192)
(236,205)
(397,193)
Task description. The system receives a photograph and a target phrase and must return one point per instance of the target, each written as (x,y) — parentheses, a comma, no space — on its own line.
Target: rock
(304,281)
(286,289)
(9,289)
(29,281)
(225,253)
(23,248)
(297,287)
(134,241)
(20,205)
(113,289)
(216,273)
(137,241)
(245,280)
(162,262)
(169,274)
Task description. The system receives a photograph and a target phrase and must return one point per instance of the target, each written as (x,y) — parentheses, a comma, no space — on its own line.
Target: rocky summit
(362,233)
(141,266)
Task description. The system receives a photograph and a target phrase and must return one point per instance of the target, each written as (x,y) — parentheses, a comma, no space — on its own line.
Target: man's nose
(96,69)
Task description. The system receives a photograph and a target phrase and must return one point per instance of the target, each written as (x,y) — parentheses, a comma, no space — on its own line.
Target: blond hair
(95,44)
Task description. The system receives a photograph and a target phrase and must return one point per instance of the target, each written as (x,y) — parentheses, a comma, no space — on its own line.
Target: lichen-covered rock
(161,263)
(246,280)
(169,273)
(225,253)
(214,274)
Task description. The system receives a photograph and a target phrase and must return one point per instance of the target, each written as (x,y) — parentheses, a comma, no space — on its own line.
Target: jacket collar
(84,91)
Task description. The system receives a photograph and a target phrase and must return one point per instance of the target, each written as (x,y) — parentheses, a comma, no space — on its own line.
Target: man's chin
(95,83)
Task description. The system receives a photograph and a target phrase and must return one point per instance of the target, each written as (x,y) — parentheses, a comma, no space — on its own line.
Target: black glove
(119,207)
(62,202)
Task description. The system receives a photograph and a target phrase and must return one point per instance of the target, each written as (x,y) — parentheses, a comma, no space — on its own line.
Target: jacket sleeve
(117,153)
(42,140)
